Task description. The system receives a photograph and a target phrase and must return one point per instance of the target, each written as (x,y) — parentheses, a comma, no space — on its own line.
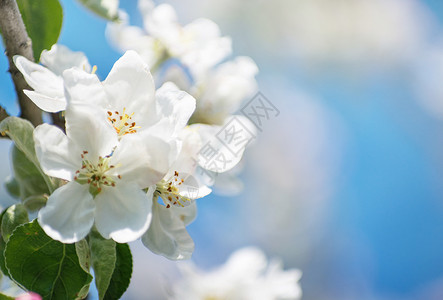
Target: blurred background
(346,183)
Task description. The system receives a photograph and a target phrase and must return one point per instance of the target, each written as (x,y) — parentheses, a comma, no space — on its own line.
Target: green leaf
(104,257)
(43,265)
(12,187)
(30,180)
(122,273)
(34,203)
(103,8)
(84,258)
(2,250)
(14,216)
(21,132)
(43,20)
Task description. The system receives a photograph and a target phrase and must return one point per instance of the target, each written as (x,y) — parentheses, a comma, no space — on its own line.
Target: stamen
(121,122)
(170,192)
(95,174)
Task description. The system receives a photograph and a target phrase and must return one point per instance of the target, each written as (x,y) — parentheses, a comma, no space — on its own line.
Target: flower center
(94,174)
(169,191)
(122,122)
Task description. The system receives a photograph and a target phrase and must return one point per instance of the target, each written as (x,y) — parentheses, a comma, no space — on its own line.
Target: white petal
(58,157)
(223,90)
(41,79)
(125,37)
(193,189)
(83,87)
(174,108)
(247,262)
(69,213)
(186,214)
(46,103)
(61,58)
(142,159)
(167,234)
(146,7)
(130,85)
(162,23)
(208,47)
(223,146)
(175,105)
(87,126)
(186,161)
(123,212)
(178,76)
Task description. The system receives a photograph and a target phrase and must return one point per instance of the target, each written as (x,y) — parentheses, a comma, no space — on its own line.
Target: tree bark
(17,42)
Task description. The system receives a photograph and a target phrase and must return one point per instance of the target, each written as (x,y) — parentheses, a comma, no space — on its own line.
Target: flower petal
(58,157)
(186,214)
(83,87)
(193,189)
(46,103)
(223,90)
(87,126)
(123,212)
(167,235)
(223,146)
(69,213)
(125,37)
(41,79)
(61,58)
(208,47)
(174,105)
(130,85)
(161,22)
(142,159)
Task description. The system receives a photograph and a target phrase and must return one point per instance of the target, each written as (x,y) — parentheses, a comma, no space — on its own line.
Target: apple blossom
(198,45)
(143,128)
(220,91)
(246,275)
(106,177)
(46,79)
(178,190)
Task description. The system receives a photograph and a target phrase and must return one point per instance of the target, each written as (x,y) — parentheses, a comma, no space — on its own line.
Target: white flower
(46,79)
(223,145)
(198,45)
(246,275)
(219,94)
(167,234)
(121,138)
(220,91)
(106,177)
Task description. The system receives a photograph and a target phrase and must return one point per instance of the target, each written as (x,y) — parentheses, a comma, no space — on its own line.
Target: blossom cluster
(130,154)
(247,274)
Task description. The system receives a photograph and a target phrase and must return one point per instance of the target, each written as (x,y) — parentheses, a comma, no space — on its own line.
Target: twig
(3,115)
(17,42)
(58,120)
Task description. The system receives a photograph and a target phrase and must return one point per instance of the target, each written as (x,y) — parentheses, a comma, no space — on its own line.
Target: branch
(58,120)
(17,42)
(3,115)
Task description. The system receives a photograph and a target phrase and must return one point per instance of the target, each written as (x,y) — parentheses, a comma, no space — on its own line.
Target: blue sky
(385,227)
